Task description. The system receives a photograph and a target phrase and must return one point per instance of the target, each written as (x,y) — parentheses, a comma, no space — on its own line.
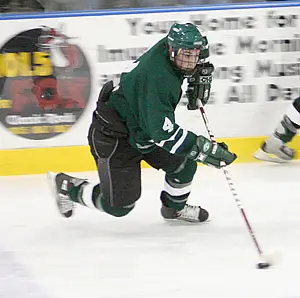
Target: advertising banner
(51,70)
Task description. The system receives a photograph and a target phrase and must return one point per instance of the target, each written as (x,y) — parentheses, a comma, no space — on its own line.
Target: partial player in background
(135,121)
(275,148)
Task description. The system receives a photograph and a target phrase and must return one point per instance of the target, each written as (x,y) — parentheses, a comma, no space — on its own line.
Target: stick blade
(267,261)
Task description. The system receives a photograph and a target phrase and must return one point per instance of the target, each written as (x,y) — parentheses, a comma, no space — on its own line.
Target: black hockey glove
(211,154)
(199,85)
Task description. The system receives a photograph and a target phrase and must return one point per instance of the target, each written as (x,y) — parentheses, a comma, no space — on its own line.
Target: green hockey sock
(174,202)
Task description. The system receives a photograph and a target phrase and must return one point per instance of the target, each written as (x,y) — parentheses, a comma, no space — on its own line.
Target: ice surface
(94,255)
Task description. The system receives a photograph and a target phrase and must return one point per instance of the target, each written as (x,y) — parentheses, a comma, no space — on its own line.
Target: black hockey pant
(119,168)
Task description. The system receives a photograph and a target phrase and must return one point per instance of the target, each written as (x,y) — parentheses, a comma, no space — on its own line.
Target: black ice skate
(188,213)
(61,184)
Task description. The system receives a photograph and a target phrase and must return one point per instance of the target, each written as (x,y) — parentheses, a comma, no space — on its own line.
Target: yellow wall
(79,159)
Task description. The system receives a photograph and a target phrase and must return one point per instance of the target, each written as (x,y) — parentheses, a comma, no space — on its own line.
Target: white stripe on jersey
(171,138)
(179,142)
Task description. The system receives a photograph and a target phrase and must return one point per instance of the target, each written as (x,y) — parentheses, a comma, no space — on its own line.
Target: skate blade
(181,222)
(264,156)
(51,179)
(52,185)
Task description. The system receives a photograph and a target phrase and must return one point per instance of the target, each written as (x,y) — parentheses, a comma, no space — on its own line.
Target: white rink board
(250,48)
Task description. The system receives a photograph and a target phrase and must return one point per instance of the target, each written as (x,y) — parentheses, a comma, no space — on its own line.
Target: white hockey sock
(177,189)
(87,194)
(293,114)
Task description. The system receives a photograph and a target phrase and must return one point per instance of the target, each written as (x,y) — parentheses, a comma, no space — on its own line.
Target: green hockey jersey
(146,98)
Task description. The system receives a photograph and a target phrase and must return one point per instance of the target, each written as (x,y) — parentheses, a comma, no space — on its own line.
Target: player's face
(186,59)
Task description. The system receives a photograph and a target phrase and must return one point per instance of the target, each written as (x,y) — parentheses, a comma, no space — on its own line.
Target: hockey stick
(265,261)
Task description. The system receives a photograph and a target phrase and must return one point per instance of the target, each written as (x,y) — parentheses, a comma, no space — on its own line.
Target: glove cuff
(201,149)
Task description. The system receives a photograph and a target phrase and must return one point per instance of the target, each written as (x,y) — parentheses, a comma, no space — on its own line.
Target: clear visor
(186,59)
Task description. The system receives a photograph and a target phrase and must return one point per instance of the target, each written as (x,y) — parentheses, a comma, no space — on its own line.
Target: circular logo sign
(45,83)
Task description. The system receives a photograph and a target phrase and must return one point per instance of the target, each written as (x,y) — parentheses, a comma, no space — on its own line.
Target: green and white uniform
(135,122)
(146,99)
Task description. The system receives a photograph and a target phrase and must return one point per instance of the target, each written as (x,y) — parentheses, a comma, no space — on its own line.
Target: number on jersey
(168,125)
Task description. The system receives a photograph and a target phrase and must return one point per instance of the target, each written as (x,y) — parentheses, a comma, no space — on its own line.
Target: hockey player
(274,149)
(135,121)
